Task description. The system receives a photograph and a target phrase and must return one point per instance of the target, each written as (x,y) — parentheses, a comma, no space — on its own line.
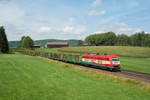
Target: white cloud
(124,29)
(68,29)
(133,4)
(121,24)
(96,13)
(96,3)
(74,30)
(11,14)
(12,18)
(40,19)
(80,29)
(18,22)
(100,31)
(44,29)
(146,32)
(138,30)
(71,19)
(106,20)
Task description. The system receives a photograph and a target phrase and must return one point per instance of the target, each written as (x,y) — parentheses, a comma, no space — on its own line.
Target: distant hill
(13,43)
(72,42)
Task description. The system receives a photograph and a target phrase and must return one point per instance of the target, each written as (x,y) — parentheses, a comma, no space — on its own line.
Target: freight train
(99,60)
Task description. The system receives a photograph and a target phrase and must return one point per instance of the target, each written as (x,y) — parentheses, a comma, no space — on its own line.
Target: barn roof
(57,43)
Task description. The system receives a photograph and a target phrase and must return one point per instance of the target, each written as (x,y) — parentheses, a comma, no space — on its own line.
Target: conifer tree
(4,47)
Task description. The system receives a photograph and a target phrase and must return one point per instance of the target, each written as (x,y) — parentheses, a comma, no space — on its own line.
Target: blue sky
(73,19)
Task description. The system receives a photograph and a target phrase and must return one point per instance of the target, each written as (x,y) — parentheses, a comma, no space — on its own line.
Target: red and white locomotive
(107,61)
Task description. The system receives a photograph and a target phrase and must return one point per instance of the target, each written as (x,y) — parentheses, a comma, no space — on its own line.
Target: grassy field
(32,78)
(118,50)
(47,50)
(135,64)
(132,58)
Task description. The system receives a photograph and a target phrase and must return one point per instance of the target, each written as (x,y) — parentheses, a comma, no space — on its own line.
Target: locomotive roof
(105,56)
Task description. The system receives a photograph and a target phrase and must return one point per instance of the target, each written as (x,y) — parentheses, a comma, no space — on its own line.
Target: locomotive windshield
(115,59)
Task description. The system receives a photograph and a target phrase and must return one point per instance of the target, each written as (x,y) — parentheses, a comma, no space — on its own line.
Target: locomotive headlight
(116,62)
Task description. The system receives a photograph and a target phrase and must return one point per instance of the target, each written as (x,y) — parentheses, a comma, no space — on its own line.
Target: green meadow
(32,78)
(126,51)
(47,50)
(135,64)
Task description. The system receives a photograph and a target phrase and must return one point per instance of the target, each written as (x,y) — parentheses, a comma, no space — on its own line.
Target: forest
(111,39)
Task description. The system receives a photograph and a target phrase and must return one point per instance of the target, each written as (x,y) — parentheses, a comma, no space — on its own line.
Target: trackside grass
(31,78)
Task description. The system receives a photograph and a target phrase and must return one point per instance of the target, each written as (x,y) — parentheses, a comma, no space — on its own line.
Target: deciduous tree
(80,43)
(27,42)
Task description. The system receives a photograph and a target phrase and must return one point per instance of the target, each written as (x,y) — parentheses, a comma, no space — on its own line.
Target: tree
(98,39)
(122,40)
(140,39)
(110,38)
(27,42)
(80,43)
(22,38)
(145,39)
(4,47)
(90,40)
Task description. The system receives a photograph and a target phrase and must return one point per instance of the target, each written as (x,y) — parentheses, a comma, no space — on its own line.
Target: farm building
(56,44)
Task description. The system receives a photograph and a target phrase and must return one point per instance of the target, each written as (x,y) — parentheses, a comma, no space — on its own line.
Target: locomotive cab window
(115,59)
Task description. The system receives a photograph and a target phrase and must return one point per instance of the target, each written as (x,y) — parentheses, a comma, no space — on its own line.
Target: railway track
(136,75)
(140,76)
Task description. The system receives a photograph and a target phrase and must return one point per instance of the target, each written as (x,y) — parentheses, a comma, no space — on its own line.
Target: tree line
(111,39)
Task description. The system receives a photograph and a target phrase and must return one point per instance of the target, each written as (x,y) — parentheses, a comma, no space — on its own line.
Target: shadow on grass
(9,53)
